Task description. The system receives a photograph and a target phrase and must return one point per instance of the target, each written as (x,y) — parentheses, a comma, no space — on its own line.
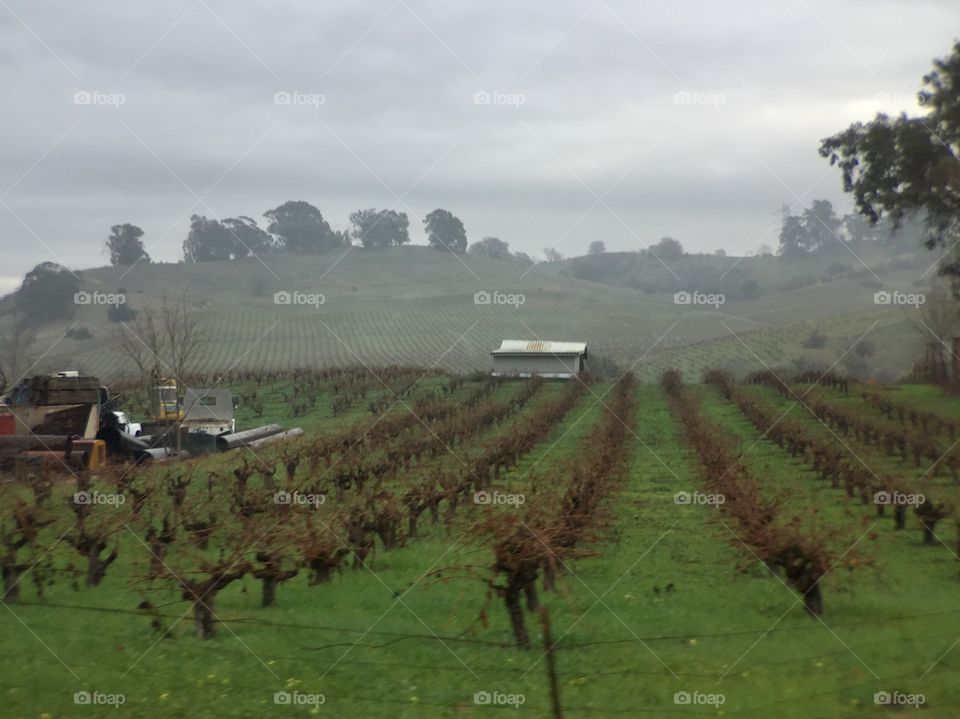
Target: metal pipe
(289,434)
(120,442)
(75,460)
(37,442)
(239,439)
(159,454)
(133,444)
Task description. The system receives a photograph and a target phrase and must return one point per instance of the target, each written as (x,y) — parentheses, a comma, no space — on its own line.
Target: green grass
(669,604)
(938,487)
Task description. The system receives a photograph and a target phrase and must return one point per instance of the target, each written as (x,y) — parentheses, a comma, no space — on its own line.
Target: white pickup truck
(118,419)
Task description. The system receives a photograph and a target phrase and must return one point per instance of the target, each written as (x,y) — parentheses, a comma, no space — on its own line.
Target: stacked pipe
(289,434)
(256,437)
(56,449)
(37,442)
(159,454)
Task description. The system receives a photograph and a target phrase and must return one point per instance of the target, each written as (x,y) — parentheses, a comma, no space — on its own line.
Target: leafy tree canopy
(47,294)
(380,228)
(895,166)
(492,247)
(208,241)
(300,227)
(445,231)
(248,237)
(125,244)
(667,249)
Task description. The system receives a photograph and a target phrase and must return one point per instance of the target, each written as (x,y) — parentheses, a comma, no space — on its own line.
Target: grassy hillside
(416,306)
(652,273)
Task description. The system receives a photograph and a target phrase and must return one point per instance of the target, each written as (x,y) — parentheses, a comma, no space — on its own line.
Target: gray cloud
(598,82)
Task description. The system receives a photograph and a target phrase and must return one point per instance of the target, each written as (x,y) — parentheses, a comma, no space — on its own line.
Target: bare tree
(141,340)
(163,339)
(938,322)
(183,332)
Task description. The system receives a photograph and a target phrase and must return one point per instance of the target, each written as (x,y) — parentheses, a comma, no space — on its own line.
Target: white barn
(524,358)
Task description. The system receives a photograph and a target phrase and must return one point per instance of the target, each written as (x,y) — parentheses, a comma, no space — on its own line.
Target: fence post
(955,361)
(551,663)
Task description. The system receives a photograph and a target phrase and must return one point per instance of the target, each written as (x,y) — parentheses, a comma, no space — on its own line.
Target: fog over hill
(415,305)
(545,127)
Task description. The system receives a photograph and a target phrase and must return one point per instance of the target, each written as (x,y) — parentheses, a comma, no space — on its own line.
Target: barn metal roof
(540,347)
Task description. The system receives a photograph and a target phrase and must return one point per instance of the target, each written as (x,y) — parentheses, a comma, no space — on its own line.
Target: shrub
(795,283)
(817,340)
(604,367)
(121,313)
(81,332)
(836,268)
(749,289)
(864,349)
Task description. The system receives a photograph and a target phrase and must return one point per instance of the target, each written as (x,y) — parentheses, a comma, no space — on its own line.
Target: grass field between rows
(666,614)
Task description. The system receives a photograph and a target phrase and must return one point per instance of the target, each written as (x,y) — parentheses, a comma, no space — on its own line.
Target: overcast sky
(619,121)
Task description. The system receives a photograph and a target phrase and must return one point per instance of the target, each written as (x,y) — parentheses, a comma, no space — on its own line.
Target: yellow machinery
(93,450)
(164,401)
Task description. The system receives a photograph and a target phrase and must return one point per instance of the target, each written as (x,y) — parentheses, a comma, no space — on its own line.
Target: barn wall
(514,366)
